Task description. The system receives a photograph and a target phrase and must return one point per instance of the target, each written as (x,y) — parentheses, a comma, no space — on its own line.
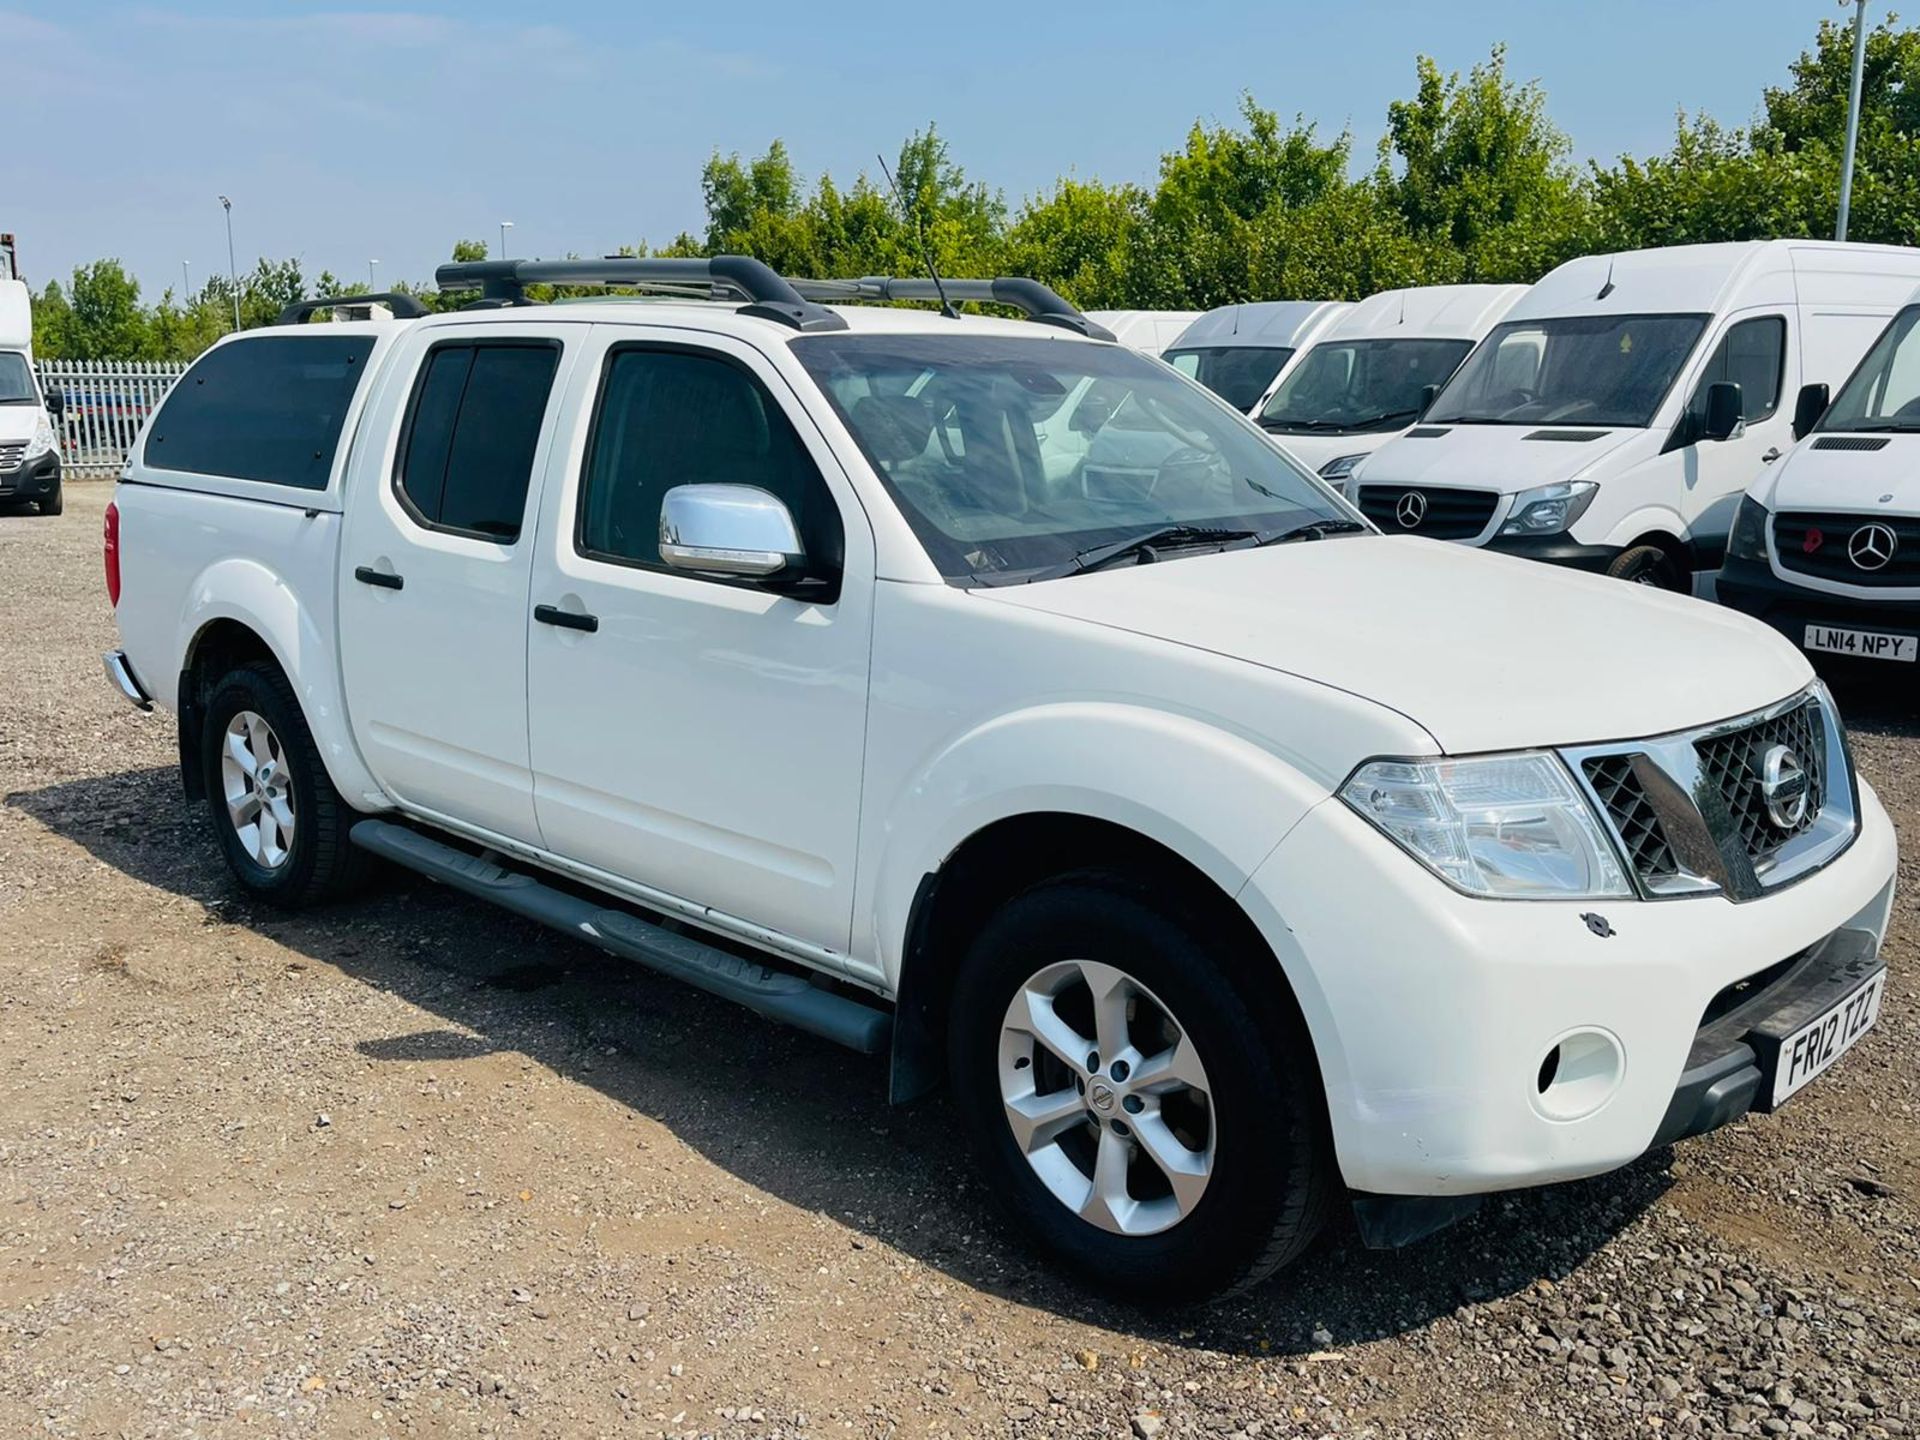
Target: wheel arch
(1001,860)
(244,612)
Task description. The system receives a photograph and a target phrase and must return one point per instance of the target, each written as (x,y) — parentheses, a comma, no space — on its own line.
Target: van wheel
(1650,565)
(53,502)
(278,820)
(1147,1111)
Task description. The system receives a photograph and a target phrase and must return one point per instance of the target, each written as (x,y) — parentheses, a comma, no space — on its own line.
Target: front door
(704,737)
(1754,352)
(436,562)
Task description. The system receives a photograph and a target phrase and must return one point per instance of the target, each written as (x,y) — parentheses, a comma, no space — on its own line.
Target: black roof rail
(796,302)
(404,307)
(1036,301)
(770,297)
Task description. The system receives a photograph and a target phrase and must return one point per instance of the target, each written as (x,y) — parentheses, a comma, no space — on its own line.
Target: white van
(1614,419)
(1240,352)
(1826,546)
(29,444)
(1373,369)
(1148,331)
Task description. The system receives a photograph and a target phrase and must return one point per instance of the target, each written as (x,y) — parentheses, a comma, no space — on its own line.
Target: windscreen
(1575,370)
(1884,393)
(1355,386)
(1238,374)
(16,380)
(1011,455)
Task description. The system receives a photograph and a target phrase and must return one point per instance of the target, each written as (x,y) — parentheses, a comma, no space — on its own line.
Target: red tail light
(111,544)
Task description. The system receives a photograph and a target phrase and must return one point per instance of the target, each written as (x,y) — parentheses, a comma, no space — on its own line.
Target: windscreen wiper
(1361,424)
(1312,530)
(1142,546)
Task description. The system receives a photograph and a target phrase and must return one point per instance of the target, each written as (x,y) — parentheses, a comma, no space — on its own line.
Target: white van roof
(1148,330)
(1706,279)
(1265,324)
(16,316)
(1426,312)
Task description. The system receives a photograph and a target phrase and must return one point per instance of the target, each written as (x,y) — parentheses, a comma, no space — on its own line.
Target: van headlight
(1509,827)
(43,440)
(1549,509)
(1336,470)
(1748,538)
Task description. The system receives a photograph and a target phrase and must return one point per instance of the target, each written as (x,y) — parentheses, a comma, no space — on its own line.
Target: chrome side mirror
(728,530)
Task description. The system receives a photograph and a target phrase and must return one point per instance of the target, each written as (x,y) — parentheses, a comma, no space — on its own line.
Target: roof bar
(799,303)
(1034,300)
(404,307)
(504,282)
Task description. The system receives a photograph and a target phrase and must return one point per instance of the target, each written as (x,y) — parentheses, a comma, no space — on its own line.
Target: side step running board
(778,994)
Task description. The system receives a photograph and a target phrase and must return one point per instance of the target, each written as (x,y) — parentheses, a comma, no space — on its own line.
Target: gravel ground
(407,1166)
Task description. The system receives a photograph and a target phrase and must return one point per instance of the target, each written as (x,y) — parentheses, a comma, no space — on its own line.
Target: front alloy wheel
(1107,1097)
(1152,1117)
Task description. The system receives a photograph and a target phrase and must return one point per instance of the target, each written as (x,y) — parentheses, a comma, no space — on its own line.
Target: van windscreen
(16,380)
(1238,374)
(1884,393)
(1573,370)
(1345,387)
(267,409)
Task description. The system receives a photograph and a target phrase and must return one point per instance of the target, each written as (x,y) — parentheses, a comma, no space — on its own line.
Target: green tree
(1477,170)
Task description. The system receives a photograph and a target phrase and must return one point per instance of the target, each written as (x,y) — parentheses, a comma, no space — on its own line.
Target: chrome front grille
(13,454)
(1733,762)
(1714,810)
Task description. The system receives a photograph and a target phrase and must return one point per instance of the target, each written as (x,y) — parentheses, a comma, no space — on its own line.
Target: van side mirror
(1808,408)
(56,403)
(733,530)
(1723,411)
(1428,394)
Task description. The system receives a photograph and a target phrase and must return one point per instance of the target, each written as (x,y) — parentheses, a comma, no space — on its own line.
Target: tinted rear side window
(268,409)
(468,457)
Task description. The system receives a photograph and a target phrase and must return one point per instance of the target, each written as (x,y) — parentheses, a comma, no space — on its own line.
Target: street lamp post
(370,285)
(505,226)
(1853,113)
(186,285)
(233,274)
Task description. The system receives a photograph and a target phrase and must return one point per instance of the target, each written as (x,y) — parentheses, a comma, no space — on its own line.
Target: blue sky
(387,133)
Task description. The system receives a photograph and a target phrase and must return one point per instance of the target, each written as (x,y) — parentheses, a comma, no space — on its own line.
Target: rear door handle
(386,580)
(566,619)
(1771,456)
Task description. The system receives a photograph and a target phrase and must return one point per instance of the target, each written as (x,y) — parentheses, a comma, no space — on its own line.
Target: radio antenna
(920,234)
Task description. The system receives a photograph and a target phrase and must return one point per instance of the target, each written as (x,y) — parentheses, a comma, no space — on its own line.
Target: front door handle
(1771,456)
(385,579)
(566,619)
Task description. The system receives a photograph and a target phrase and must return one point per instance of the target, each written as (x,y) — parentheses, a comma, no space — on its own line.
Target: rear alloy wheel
(1652,566)
(1139,1089)
(279,821)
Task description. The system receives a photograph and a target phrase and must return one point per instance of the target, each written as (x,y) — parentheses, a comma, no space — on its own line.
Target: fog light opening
(1578,1075)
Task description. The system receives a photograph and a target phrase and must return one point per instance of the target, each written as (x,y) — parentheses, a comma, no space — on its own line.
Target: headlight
(43,440)
(1511,827)
(1748,538)
(1549,509)
(1341,466)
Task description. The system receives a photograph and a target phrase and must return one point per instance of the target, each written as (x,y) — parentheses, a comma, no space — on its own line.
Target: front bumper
(1752,588)
(1433,1014)
(37,478)
(1560,549)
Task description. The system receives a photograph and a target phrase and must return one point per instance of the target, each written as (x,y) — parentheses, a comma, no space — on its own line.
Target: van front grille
(1438,514)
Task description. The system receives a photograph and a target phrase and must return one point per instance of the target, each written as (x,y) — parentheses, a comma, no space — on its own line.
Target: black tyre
(53,502)
(1192,1156)
(274,812)
(1650,565)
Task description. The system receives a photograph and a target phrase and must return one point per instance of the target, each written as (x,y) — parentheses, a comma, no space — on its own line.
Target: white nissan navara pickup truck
(1228,859)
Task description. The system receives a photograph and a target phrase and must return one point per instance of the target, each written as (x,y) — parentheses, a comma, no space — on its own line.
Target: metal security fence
(107,402)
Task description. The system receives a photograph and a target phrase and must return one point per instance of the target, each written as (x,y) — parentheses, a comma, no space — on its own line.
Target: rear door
(705,738)
(436,561)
